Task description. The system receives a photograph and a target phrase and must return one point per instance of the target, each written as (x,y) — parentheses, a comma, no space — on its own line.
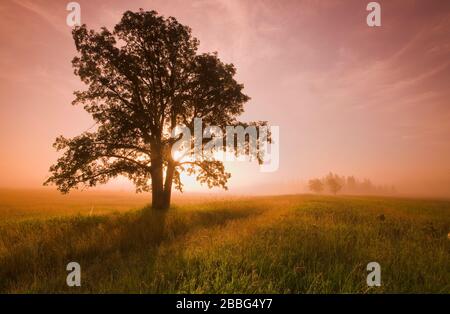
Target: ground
(278,244)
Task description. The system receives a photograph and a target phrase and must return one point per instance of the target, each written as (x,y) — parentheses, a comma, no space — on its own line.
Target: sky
(373,102)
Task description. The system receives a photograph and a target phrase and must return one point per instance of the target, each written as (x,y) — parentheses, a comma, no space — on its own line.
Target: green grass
(282,244)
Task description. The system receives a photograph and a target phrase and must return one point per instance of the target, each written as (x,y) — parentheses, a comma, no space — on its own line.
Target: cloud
(42,12)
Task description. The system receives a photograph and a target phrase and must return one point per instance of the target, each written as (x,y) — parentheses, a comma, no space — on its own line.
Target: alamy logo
(374,17)
(74,17)
(374,277)
(235,143)
(74,277)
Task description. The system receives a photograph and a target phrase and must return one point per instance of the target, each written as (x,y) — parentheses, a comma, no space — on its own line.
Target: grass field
(279,244)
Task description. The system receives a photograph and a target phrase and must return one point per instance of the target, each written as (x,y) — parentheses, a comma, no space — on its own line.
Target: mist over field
(358,101)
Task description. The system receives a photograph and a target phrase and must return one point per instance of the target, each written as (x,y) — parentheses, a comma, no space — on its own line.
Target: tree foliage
(143,79)
(316,185)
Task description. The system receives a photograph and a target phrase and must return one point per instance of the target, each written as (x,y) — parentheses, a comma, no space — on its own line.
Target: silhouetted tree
(333,182)
(315,185)
(351,184)
(144,79)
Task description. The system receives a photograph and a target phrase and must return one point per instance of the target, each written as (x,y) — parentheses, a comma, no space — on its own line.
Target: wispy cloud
(55,21)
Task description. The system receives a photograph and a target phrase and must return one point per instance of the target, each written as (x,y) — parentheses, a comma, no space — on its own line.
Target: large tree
(143,79)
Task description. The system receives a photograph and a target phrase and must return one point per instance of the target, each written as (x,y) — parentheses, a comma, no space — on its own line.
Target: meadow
(276,244)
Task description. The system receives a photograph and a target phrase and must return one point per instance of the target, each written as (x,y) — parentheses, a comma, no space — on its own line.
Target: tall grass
(285,244)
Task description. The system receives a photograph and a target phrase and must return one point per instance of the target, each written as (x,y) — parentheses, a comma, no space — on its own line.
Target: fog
(372,103)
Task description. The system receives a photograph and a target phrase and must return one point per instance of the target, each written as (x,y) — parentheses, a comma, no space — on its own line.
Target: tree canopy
(143,79)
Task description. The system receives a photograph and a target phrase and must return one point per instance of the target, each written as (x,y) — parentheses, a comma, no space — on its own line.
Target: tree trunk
(157,184)
(161,191)
(168,185)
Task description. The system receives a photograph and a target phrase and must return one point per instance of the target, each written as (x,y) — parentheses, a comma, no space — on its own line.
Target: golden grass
(282,244)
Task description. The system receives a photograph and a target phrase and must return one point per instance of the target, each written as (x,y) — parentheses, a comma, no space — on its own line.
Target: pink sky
(369,102)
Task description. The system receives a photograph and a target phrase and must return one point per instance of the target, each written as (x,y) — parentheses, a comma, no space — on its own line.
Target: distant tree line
(333,183)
